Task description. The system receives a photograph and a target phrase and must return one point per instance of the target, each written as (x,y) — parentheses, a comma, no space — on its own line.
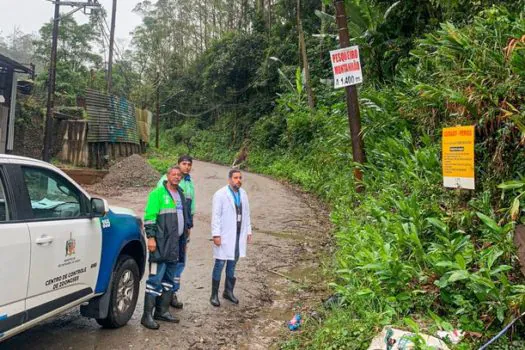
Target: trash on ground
(295,322)
(396,339)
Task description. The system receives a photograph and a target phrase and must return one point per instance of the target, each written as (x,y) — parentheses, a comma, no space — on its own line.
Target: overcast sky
(30,15)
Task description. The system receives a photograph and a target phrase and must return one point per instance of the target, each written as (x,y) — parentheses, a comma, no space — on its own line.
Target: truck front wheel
(125,286)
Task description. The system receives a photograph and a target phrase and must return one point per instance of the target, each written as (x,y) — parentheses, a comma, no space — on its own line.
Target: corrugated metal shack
(115,128)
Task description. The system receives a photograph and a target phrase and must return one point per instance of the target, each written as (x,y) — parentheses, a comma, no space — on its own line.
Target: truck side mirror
(99,207)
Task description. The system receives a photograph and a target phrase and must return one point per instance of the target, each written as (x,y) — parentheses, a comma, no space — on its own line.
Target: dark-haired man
(231,230)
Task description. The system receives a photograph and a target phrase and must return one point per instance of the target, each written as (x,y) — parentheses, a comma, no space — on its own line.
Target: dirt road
(287,229)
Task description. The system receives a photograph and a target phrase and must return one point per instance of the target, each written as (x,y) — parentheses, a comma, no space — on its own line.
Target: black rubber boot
(214,300)
(147,317)
(228,290)
(162,311)
(175,302)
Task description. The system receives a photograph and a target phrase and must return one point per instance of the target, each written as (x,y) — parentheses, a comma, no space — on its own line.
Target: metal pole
(48,137)
(354,118)
(111,43)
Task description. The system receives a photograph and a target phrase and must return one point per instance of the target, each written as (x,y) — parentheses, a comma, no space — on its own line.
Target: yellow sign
(458,157)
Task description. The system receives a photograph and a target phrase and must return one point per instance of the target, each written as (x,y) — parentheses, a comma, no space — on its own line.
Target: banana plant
(517,187)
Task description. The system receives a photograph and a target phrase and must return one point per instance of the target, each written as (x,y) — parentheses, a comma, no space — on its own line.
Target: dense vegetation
(408,252)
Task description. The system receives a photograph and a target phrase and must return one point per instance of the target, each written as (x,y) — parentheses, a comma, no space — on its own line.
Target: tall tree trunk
(261,11)
(260,5)
(231,11)
(323,32)
(302,49)
(243,19)
(201,30)
(214,19)
(206,27)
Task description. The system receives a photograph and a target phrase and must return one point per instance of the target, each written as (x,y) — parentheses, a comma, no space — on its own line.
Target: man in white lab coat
(231,230)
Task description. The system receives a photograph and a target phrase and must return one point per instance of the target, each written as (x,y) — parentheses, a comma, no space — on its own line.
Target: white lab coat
(224,224)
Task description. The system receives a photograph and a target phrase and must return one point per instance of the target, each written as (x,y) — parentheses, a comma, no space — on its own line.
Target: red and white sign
(346,66)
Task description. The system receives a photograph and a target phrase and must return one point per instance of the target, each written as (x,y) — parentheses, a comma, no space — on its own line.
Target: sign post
(458,157)
(347,63)
(346,67)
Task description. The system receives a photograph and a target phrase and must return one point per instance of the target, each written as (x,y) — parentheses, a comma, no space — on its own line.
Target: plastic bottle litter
(295,322)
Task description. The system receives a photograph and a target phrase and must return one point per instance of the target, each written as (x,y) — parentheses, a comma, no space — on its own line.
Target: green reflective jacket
(161,222)
(187,186)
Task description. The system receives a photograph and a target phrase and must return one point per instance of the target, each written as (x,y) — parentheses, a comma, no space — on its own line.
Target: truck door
(14,260)
(65,242)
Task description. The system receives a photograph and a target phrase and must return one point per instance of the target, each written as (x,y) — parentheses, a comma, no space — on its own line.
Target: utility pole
(111,43)
(157,117)
(48,137)
(354,118)
(48,127)
(302,48)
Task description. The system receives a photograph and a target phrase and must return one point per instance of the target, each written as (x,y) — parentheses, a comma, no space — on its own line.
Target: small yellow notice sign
(458,157)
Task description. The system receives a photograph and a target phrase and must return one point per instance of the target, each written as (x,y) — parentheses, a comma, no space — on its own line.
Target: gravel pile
(133,171)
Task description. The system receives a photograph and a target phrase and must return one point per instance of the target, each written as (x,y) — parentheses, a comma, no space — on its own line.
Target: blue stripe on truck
(123,228)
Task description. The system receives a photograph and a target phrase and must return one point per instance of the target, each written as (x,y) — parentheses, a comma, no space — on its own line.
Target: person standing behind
(231,230)
(165,222)
(185,163)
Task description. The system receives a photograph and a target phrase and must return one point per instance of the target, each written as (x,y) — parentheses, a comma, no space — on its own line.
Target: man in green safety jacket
(166,224)
(185,163)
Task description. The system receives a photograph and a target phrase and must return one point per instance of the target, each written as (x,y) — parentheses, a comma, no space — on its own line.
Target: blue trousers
(168,274)
(230,264)
(162,280)
(219,266)
(180,264)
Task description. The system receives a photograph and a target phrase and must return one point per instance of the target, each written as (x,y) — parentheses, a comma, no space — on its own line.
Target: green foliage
(467,75)
(184,135)
(28,107)
(408,243)
(408,251)
(74,57)
(517,200)
(161,160)
(73,112)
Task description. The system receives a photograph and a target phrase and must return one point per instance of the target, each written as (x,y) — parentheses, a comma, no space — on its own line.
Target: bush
(408,249)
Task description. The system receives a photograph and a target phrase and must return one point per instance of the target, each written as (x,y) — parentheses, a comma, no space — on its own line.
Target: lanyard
(236,197)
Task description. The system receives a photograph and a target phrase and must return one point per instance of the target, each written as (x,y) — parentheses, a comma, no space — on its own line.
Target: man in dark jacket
(166,224)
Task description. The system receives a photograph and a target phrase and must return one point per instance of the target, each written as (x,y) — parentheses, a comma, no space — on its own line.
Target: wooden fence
(75,145)
(100,153)
(77,151)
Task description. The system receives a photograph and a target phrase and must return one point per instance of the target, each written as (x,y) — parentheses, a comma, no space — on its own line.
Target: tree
(75,57)
(18,46)
(302,49)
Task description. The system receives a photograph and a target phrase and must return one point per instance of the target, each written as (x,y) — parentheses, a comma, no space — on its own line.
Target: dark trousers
(219,266)
(179,268)
(162,280)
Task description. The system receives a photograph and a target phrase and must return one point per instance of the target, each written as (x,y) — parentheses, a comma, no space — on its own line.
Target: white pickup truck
(60,247)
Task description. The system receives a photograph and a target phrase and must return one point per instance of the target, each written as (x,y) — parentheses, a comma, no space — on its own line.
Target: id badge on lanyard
(237,207)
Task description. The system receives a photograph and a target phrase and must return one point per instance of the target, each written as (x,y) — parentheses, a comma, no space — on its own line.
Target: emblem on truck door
(70,245)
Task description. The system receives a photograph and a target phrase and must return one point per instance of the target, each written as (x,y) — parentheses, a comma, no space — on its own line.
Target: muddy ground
(279,277)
